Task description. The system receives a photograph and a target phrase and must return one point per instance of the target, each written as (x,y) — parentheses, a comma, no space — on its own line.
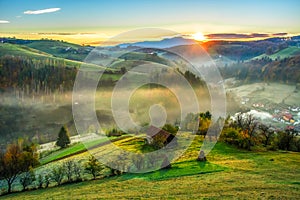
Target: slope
(7,49)
(285,53)
(230,173)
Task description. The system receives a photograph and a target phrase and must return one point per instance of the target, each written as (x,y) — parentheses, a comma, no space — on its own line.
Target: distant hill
(165,43)
(54,47)
(225,50)
(61,49)
(7,49)
(285,70)
(20,50)
(285,53)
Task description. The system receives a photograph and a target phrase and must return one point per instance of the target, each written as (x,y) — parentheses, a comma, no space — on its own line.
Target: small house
(159,137)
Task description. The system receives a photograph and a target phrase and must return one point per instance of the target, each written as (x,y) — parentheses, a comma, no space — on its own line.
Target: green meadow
(229,173)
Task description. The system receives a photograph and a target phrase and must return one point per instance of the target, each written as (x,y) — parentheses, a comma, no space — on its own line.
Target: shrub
(114,132)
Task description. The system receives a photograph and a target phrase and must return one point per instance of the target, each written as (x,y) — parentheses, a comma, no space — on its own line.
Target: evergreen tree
(63,137)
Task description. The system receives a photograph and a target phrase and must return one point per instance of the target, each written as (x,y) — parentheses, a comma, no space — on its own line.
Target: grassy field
(74,149)
(230,173)
(261,92)
(27,52)
(287,52)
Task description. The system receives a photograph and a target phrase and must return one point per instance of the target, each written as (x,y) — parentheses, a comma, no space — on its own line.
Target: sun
(199,36)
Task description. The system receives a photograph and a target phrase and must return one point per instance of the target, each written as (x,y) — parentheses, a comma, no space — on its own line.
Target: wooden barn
(159,137)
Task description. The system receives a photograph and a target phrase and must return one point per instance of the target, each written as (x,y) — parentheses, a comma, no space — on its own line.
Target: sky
(88,21)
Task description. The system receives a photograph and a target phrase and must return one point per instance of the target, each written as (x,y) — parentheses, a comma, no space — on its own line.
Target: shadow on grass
(185,168)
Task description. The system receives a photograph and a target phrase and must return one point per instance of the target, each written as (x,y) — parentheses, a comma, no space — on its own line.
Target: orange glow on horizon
(101,39)
(199,36)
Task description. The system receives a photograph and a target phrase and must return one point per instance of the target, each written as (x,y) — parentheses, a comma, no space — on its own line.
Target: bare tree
(40,180)
(57,174)
(77,171)
(248,124)
(27,178)
(267,132)
(138,161)
(69,168)
(47,179)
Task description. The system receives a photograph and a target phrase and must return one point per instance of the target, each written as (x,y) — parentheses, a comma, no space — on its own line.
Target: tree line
(42,76)
(247,132)
(283,70)
(17,165)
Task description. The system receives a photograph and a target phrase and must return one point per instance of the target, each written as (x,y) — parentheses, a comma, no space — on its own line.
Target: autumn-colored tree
(204,122)
(63,137)
(93,167)
(16,160)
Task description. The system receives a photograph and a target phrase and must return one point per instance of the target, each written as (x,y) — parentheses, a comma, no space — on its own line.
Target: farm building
(159,137)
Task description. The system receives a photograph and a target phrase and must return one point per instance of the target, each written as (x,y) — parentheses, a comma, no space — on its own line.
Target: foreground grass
(230,174)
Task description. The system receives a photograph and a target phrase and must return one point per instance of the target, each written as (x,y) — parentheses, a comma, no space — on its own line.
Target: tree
(170,129)
(63,137)
(77,171)
(69,167)
(47,179)
(204,122)
(248,125)
(27,178)
(138,161)
(15,161)
(286,138)
(57,174)
(40,180)
(266,132)
(93,167)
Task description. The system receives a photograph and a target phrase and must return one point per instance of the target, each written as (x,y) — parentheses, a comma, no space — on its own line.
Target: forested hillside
(285,70)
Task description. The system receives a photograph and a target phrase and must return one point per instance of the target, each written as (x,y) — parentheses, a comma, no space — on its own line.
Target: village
(278,115)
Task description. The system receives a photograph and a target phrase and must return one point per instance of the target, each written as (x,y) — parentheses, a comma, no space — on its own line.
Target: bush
(230,136)
(237,138)
(170,129)
(114,132)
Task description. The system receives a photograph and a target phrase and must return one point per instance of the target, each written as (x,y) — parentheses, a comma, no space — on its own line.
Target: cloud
(240,35)
(4,22)
(279,34)
(227,36)
(43,11)
(259,35)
